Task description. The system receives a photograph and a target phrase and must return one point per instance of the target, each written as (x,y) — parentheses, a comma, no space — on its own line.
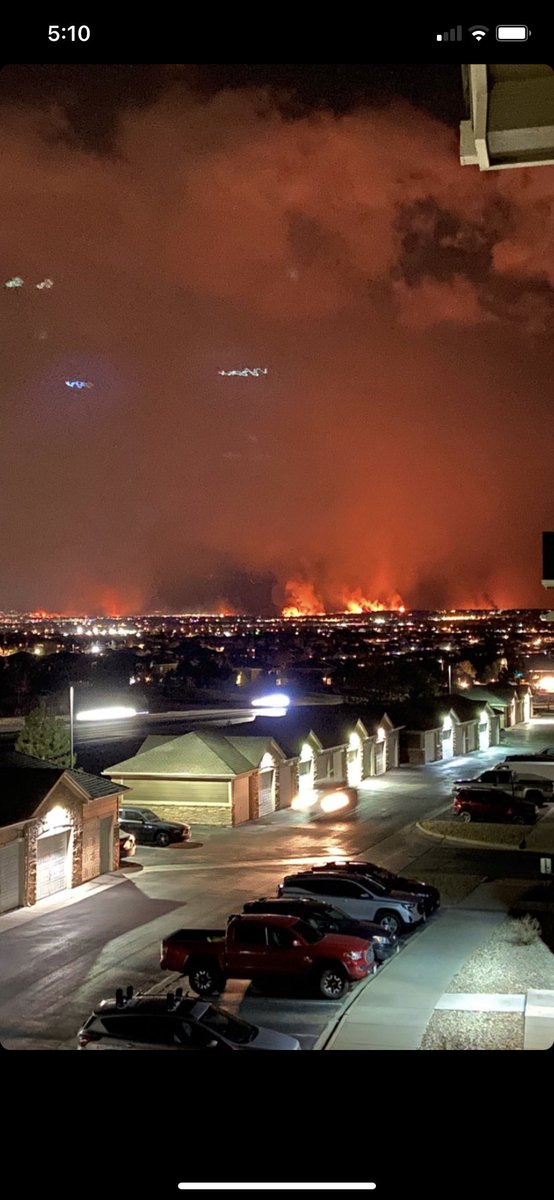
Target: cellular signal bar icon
(455,35)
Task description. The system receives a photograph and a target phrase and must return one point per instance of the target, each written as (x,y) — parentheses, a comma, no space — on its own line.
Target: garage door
(52,866)
(380,763)
(266,792)
(484,735)
(106,844)
(10,859)
(447,743)
(162,791)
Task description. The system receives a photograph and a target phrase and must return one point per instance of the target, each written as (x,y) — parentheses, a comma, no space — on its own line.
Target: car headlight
(355,955)
(303,802)
(335,802)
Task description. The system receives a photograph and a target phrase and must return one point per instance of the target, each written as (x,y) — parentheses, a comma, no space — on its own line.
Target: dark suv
(151,830)
(425,893)
(325,918)
(493,805)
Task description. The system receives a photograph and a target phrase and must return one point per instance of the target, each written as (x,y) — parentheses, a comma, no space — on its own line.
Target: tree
(43,736)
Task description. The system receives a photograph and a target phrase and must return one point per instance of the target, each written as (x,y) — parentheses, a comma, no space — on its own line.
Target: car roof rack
(122,997)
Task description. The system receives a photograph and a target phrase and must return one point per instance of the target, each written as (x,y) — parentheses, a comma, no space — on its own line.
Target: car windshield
(332,915)
(230,1027)
(380,873)
(148,814)
(308,932)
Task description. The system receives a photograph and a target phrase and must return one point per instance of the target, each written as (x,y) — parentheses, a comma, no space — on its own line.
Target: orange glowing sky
(399,450)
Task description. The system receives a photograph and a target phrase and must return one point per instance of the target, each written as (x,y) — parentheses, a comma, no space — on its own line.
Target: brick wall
(200,814)
(254,796)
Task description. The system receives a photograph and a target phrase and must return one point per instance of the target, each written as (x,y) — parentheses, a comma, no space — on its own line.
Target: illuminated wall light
(56,818)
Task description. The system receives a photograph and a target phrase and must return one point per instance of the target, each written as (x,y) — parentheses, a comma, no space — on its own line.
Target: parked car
(127,844)
(357,896)
(151,830)
(535,788)
(262,947)
(327,799)
(328,919)
(171,1022)
(428,895)
(482,804)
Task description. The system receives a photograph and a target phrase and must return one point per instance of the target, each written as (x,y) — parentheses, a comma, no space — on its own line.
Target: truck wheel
(390,921)
(332,983)
(206,979)
(259,983)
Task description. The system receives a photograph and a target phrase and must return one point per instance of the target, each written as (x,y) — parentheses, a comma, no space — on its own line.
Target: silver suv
(357,897)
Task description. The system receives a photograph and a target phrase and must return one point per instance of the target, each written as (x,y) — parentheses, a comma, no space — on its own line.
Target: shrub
(524,931)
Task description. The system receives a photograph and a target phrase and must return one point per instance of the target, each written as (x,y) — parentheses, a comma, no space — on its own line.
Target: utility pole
(71,713)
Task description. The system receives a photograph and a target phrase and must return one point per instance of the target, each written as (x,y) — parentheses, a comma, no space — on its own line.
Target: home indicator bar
(277,1187)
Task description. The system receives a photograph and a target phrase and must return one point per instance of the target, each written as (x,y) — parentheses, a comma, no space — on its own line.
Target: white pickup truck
(527,786)
(530,764)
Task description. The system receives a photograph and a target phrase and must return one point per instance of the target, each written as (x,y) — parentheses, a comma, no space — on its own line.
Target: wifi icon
(478,32)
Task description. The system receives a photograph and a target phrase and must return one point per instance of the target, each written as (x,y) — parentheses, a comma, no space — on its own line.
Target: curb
(334,1022)
(444,837)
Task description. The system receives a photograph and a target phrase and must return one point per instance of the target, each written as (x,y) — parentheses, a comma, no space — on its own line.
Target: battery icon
(512,33)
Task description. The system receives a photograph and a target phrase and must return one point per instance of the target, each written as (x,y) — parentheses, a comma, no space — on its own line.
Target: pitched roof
(496,695)
(25,782)
(153,740)
(94,785)
(332,724)
(200,753)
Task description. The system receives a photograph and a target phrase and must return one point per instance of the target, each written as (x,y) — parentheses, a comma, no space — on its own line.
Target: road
(60,958)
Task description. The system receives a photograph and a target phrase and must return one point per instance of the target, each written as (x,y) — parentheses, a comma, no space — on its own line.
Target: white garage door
(484,735)
(10,859)
(380,762)
(52,867)
(448,743)
(266,792)
(354,766)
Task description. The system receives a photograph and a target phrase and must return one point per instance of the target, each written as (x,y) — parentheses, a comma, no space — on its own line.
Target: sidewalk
(392,1010)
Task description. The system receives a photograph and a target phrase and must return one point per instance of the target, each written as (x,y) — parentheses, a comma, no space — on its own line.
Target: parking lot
(66,954)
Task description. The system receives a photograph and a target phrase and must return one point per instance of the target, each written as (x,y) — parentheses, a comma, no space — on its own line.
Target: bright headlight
(306,801)
(334,802)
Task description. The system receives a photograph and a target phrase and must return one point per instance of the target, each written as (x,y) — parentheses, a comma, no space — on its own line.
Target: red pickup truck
(264,945)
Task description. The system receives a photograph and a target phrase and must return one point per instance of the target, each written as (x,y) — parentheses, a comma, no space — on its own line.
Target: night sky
(313,222)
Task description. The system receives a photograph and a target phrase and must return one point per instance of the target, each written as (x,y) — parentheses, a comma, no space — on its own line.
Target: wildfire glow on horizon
(303,600)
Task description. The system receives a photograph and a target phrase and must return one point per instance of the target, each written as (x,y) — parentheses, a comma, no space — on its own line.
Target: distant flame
(224,608)
(355,602)
(302,599)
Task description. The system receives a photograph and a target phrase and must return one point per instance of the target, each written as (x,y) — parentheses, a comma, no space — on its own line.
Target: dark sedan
(428,895)
(324,918)
(151,830)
